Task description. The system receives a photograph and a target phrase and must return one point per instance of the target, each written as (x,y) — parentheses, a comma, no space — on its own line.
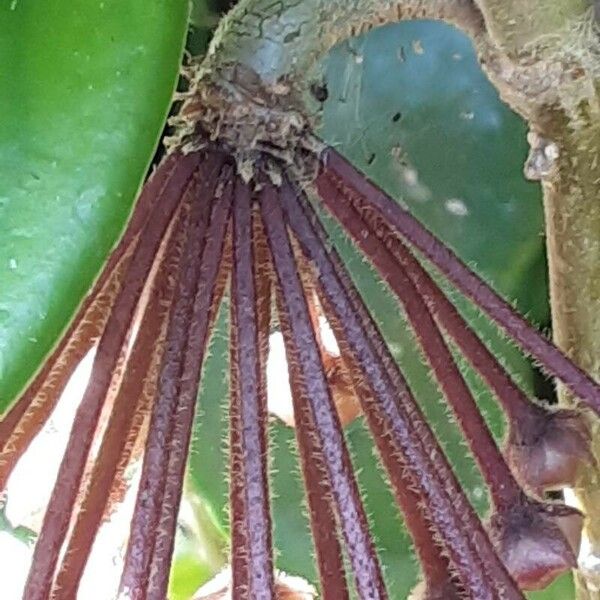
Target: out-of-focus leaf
(409,105)
(201,548)
(86,86)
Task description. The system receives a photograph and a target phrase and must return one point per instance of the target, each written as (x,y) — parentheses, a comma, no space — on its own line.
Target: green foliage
(86,86)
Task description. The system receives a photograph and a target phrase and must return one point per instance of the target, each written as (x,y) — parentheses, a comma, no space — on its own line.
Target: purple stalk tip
(537,541)
(550,451)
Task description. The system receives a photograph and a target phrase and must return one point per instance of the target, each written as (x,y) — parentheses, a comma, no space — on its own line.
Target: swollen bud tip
(549,452)
(537,541)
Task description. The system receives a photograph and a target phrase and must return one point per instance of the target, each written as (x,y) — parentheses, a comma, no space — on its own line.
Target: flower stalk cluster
(210,232)
(227,212)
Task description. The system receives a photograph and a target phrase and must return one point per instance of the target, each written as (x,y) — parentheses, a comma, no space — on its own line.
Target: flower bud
(548,452)
(537,541)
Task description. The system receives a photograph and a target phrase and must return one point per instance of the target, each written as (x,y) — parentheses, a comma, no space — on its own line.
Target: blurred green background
(87,88)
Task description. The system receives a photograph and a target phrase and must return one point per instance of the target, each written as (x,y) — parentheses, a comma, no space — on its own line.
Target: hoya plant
(308,265)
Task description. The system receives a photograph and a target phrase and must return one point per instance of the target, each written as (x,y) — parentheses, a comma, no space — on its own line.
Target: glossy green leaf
(85,88)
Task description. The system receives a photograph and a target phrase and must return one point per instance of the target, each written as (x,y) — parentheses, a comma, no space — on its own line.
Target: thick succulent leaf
(86,86)
(428,127)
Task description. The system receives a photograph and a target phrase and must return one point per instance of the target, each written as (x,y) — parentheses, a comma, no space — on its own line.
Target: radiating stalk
(71,469)
(437,581)
(545,447)
(543,536)
(349,181)
(503,488)
(134,579)
(141,373)
(303,351)
(324,528)
(321,506)
(213,275)
(359,225)
(471,553)
(239,536)
(434,565)
(239,555)
(249,414)
(30,411)
(338,377)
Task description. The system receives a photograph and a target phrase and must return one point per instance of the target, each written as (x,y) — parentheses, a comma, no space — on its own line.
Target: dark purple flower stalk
(251,515)
(503,489)
(213,274)
(237,500)
(538,526)
(437,574)
(324,528)
(437,581)
(302,351)
(109,350)
(114,453)
(392,405)
(556,442)
(430,553)
(403,223)
(156,457)
(153,523)
(27,416)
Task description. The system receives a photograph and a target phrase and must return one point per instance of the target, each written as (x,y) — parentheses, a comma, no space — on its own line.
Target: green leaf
(86,86)
(409,105)
(201,549)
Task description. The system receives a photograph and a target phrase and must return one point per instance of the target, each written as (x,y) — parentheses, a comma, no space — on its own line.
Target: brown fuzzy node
(257,123)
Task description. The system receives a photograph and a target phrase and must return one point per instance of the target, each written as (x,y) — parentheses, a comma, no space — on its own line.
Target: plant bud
(537,541)
(549,452)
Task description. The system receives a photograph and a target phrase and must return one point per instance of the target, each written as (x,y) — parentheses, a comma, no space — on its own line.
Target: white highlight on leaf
(457,207)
